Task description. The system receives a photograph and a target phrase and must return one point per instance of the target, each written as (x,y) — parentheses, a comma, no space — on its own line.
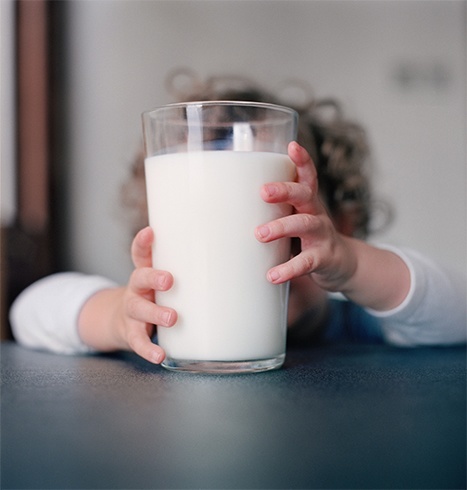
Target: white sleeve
(434,311)
(45,315)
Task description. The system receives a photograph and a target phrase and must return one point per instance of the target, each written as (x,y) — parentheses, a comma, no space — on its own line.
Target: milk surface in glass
(204,207)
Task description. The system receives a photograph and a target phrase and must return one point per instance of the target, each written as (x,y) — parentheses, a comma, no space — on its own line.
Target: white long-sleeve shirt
(45,315)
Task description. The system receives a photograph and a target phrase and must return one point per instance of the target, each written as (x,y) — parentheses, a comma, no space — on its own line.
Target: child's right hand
(124,318)
(141,312)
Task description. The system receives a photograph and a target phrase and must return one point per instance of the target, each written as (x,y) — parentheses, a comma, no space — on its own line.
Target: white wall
(398,66)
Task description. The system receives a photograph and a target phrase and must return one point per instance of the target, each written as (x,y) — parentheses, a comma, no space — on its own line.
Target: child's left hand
(371,277)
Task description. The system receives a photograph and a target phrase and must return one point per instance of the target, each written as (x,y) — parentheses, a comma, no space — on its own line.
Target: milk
(204,207)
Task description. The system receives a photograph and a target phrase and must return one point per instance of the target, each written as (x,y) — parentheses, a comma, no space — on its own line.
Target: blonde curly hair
(338,146)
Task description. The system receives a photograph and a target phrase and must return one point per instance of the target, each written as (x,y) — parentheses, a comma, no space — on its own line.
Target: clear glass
(205,164)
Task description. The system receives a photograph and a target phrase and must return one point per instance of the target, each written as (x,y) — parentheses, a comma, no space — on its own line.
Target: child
(393,295)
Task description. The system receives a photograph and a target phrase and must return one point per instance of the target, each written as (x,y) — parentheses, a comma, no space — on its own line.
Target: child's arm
(123,318)
(45,315)
(372,277)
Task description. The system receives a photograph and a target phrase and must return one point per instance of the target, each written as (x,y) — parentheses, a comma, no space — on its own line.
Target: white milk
(204,208)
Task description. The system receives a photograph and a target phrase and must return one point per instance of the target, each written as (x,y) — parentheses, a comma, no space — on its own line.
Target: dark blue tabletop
(342,416)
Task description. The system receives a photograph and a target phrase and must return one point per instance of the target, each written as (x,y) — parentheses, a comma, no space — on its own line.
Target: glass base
(224,367)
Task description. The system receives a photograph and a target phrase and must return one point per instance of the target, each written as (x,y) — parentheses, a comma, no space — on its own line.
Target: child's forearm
(98,322)
(381,280)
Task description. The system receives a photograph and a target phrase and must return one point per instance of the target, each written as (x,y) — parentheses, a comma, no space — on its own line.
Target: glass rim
(206,103)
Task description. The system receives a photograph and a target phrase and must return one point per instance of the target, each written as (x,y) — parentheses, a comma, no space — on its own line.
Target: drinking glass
(205,163)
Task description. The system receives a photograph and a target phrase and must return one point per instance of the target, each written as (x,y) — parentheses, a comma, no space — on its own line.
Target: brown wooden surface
(26,243)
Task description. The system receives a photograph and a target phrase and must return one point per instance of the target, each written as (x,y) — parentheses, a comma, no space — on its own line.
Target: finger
(141,344)
(141,248)
(147,279)
(306,170)
(146,311)
(297,266)
(295,225)
(290,192)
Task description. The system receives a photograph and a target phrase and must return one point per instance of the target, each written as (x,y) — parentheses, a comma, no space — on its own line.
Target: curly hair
(338,146)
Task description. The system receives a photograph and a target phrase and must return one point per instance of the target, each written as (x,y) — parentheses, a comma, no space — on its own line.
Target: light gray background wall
(398,66)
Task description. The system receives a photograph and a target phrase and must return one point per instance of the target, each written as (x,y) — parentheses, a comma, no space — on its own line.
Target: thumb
(141,248)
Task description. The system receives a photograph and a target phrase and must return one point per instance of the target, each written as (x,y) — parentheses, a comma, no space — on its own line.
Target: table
(336,416)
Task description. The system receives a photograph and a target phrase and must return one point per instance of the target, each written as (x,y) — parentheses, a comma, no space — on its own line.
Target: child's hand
(372,277)
(140,312)
(124,318)
(324,252)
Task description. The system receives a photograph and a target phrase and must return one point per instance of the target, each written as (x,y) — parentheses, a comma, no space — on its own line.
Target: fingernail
(262,231)
(157,357)
(274,275)
(166,317)
(271,190)
(161,283)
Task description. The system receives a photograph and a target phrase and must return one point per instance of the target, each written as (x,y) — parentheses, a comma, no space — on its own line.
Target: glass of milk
(205,165)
